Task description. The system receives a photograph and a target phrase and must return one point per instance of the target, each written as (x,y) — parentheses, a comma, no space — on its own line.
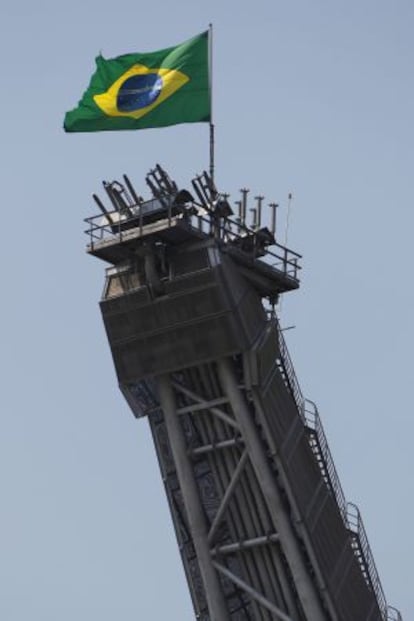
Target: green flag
(153,89)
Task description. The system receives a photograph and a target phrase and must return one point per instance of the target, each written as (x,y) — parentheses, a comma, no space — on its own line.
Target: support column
(306,589)
(194,511)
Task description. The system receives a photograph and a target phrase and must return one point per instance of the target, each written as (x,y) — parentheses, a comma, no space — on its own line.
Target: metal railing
(314,424)
(310,416)
(350,513)
(393,614)
(364,554)
(116,225)
(289,372)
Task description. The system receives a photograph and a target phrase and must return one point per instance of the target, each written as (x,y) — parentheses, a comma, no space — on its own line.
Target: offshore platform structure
(260,517)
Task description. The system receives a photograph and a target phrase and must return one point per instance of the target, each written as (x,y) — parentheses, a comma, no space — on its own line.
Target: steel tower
(261,521)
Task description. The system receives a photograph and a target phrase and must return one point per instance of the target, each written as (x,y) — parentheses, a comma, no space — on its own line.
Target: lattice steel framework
(260,516)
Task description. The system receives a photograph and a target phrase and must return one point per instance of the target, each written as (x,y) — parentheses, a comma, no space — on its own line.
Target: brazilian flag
(154,89)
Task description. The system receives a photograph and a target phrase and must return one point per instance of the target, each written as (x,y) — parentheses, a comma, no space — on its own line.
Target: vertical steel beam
(195,515)
(306,589)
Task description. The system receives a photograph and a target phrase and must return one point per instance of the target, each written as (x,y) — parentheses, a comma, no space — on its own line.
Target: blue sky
(313,98)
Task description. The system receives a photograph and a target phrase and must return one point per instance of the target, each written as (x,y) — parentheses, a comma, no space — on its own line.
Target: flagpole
(210,88)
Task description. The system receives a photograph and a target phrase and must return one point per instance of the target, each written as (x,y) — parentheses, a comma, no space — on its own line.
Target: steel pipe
(192,502)
(288,540)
